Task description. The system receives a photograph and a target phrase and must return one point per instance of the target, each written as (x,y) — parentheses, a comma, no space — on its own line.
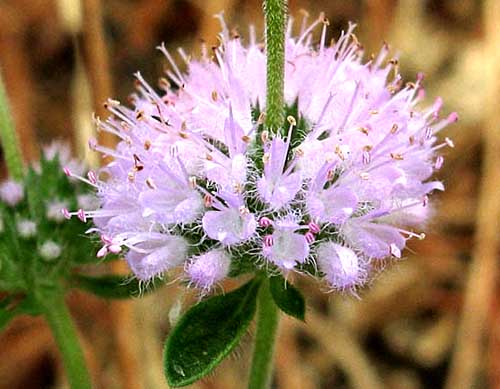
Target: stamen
(314,228)
(81,215)
(310,238)
(265,222)
(92,177)
(150,183)
(207,200)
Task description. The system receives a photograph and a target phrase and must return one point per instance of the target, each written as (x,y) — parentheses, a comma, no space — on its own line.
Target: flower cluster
(34,236)
(197,180)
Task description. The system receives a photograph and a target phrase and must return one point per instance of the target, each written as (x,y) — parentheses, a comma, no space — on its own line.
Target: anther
(139,115)
(314,228)
(394,128)
(364,130)
(163,83)
(150,183)
(268,240)
(397,156)
(147,144)
(310,238)
(264,137)
(452,117)
(192,182)
(92,177)
(243,210)
(214,95)
(291,120)
(266,157)
(265,222)
(81,215)
(138,165)
(207,201)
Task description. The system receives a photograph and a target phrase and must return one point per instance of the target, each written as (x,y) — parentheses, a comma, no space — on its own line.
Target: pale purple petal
(333,205)
(288,248)
(373,239)
(279,192)
(229,226)
(156,256)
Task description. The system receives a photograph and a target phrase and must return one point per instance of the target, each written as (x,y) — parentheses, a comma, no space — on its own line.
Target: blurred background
(431,320)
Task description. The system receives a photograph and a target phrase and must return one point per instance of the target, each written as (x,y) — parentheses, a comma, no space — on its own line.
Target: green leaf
(207,333)
(114,286)
(287,297)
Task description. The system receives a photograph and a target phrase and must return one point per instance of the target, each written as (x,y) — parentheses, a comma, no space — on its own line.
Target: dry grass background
(431,320)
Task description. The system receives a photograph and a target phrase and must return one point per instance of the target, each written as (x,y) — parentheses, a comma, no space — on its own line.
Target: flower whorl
(196,178)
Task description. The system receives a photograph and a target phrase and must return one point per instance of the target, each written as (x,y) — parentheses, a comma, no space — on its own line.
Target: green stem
(275,13)
(267,326)
(64,331)
(8,138)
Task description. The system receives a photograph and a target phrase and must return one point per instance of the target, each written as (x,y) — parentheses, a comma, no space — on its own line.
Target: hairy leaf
(113,286)
(207,333)
(287,297)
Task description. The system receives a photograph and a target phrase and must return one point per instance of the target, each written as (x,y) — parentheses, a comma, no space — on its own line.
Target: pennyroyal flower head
(197,181)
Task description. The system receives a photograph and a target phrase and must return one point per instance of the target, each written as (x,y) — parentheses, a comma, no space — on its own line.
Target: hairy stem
(275,13)
(64,331)
(263,353)
(8,138)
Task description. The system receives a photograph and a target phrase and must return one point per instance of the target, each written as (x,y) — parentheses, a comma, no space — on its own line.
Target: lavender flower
(11,192)
(197,180)
(207,269)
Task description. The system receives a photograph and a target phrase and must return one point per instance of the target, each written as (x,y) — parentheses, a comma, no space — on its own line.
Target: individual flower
(50,250)
(207,269)
(26,228)
(197,180)
(11,192)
